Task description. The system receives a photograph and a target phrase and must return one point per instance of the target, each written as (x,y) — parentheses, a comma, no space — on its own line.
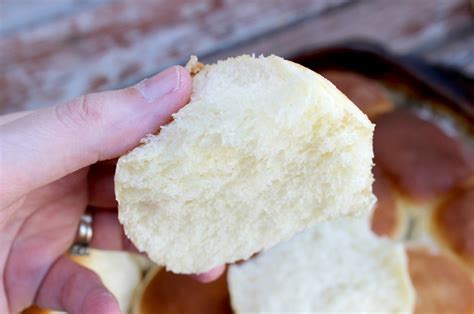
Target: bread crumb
(194,66)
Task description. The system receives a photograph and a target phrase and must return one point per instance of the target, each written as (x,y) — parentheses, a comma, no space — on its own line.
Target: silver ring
(83,236)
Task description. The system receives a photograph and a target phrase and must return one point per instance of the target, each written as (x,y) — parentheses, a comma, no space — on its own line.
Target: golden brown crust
(442,285)
(33,309)
(454,223)
(367,94)
(419,156)
(169,293)
(194,66)
(387,218)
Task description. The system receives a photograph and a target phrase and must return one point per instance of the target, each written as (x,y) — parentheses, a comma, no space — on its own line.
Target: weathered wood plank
(402,26)
(123,42)
(127,40)
(16,15)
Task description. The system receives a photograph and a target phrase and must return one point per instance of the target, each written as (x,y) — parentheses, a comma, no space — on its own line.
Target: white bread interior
(334,267)
(264,149)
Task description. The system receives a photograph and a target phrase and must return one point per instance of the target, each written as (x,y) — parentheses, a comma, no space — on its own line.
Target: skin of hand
(56,162)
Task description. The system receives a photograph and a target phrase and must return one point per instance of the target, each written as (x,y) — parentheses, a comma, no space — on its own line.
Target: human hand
(57,161)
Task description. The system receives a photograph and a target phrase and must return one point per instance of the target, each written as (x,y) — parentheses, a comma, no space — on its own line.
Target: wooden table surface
(54,50)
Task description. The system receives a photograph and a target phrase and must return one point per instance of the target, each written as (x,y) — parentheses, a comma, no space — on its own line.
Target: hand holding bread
(47,182)
(266,157)
(265,148)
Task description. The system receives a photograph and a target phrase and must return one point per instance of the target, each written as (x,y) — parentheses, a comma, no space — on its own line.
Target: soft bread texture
(334,267)
(264,149)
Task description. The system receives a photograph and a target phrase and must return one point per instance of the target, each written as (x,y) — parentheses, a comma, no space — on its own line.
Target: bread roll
(388,219)
(334,267)
(168,293)
(367,94)
(33,309)
(453,223)
(442,285)
(264,149)
(424,160)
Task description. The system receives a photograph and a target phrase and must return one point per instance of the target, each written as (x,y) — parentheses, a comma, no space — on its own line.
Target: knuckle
(81,111)
(77,280)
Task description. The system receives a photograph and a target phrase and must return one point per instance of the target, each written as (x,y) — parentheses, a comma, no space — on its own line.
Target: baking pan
(443,86)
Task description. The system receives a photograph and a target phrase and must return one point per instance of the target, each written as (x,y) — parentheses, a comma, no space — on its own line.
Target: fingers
(13,116)
(211,275)
(72,288)
(45,145)
(108,233)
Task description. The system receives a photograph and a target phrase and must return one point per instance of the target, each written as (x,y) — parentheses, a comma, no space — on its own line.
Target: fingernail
(160,85)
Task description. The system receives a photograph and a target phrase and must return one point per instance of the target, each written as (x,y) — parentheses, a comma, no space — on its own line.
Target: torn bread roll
(334,267)
(264,149)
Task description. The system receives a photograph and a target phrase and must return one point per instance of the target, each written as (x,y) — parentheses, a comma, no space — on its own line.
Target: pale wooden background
(54,50)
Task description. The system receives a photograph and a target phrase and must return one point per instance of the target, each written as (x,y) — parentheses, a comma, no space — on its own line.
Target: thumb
(70,287)
(48,144)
